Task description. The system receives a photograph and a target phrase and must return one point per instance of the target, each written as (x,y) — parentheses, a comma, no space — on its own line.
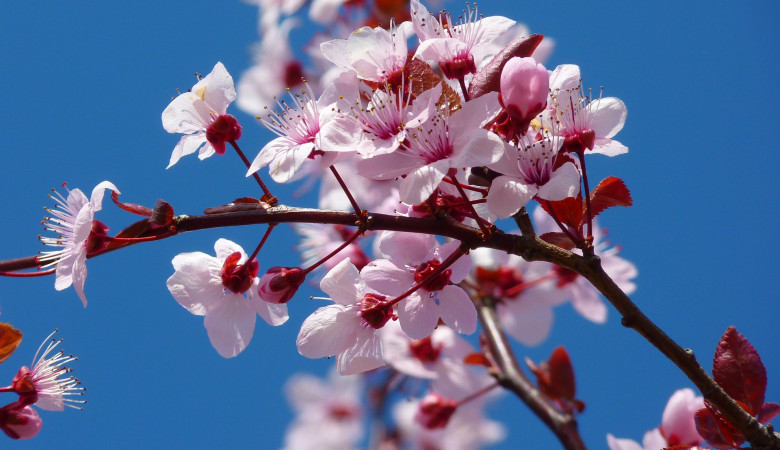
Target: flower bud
(524,87)
(223,129)
(279,284)
(24,386)
(375,311)
(19,423)
(435,411)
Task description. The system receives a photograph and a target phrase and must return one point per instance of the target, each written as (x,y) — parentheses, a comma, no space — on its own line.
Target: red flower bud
(279,284)
(524,88)
(238,277)
(19,422)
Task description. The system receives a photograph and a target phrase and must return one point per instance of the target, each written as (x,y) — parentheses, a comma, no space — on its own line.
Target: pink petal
(587,302)
(386,278)
(365,355)
(186,114)
(80,275)
(526,320)
(340,283)
(230,325)
(565,182)
(507,195)
(197,284)
(608,147)
(406,248)
(273,314)
(622,444)
(606,116)
(418,314)
(216,89)
(457,310)
(420,184)
(461,267)
(225,248)
(188,144)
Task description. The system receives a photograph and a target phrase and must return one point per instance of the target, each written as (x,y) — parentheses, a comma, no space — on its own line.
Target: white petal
(365,355)
(340,134)
(565,77)
(336,52)
(507,195)
(606,116)
(457,310)
(565,182)
(224,248)
(80,275)
(587,302)
(420,184)
(327,332)
(340,283)
(187,145)
(216,89)
(186,114)
(197,283)
(411,248)
(272,313)
(97,194)
(386,278)
(230,325)
(526,320)
(607,147)
(622,444)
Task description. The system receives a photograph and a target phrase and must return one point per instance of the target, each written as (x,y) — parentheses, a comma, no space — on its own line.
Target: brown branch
(530,249)
(509,375)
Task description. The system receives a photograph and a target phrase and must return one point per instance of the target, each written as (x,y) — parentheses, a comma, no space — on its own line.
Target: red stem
(267,193)
(345,189)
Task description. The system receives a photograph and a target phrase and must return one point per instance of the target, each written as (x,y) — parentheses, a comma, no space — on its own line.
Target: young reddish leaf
(131,207)
(715,429)
(476,359)
(487,79)
(738,369)
(768,412)
(423,78)
(555,378)
(10,338)
(560,239)
(612,191)
(568,211)
(162,214)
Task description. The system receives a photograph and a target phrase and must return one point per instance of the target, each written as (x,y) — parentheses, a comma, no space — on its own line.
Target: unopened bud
(435,411)
(19,422)
(524,87)
(279,284)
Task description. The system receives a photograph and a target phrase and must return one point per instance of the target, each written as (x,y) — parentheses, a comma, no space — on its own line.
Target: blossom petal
(420,183)
(340,283)
(507,195)
(405,247)
(97,194)
(224,248)
(80,275)
(457,310)
(196,284)
(606,116)
(365,355)
(607,147)
(186,114)
(587,302)
(418,314)
(526,320)
(564,183)
(272,313)
(216,89)
(327,332)
(386,278)
(230,325)
(187,145)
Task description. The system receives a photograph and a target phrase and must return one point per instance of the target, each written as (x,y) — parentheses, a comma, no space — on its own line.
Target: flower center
(432,282)
(564,275)
(375,311)
(98,238)
(424,350)
(236,277)
(499,283)
(223,129)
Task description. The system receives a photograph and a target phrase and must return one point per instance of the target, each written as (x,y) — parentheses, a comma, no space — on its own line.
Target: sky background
(84,84)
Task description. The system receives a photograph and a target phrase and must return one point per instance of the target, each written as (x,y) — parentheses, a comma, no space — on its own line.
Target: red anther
(223,129)
(237,277)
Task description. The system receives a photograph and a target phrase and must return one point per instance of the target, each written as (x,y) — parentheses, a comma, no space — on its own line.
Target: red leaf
(709,427)
(487,79)
(768,412)
(10,338)
(423,78)
(555,378)
(568,211)
(738,369)
(560,239)
(476,359)
(612,191)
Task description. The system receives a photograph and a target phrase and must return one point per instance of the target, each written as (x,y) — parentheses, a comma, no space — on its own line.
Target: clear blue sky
(85,83)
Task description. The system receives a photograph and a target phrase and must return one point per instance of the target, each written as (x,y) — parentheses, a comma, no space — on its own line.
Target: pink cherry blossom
(411,257)
(308,129)
(200,114)
(47,384)
(453,45)
(78,234)
(528,171)
(587,124)
(19,422)
(677,426)
(217,288)
(584,297)
(375,54)
(349,327)
(422,358)
(445,141)
(329,413)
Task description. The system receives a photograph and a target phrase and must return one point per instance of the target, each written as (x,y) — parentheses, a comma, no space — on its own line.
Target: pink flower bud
(677,425)
(435,411)
(223,129)
(524,87)
(279,284)
(236,277)
(19,423)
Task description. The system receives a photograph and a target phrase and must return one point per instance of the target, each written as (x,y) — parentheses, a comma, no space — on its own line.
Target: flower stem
(346,190)
(341,247)
(588,250)
(486,230)
(270,199)
(262,241)
(460,251)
